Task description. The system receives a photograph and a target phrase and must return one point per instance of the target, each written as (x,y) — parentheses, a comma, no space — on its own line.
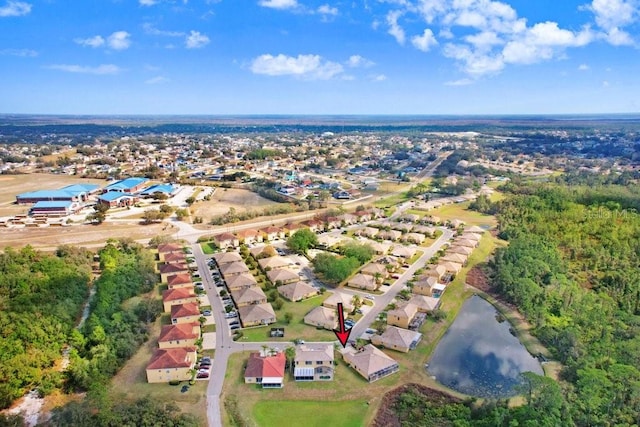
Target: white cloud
(95,41)
(460,82)
(612,14)
(279,4)
(147,2)
(81,69)
(152,30)
(119,40)
(425,41)
(605,83)
(325,9)
(378,78)
(15,8)
(196,40)
(157,80)
(23,53)
(618,37)
(359,61)
(583,67)
(394,28)
(308,67)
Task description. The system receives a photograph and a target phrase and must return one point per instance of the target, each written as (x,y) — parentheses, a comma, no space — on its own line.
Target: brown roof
(173,268)
(166,358)
(176,294)
(240,281)
(181,331)
(179,279)
(265,367)
(256,313)
(281,274)
(233,268)
(370,360)
(224,237)
(297,290)
(248,295)
(175,257)
(185,310)
(169,247)
(226,257)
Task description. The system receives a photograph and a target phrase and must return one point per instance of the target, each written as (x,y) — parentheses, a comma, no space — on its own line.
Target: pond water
(479,355)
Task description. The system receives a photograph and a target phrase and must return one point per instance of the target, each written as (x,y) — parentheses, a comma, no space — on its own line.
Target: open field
(49,238)
(349,390)
(336,414)
(297,329)
(225,198)
(13,185)
(460,211)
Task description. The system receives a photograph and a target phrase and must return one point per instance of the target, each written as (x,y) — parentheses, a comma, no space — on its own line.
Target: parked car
(206,313)
(202,374)
(234,327)
(370,297)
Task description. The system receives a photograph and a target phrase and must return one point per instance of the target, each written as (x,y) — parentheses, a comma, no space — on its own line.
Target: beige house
(314,362)
(436,271)
(391,235)
(257,314)
(233,269)
(240,281)
(222,258)
(250,236)
(175,257)
(297,291)
(416,238)
(380,248)
(172,297)
(363,281)
(403,252)
(471,236)
(168,248)
(423,229)
(282,276)
(273,263)
(248,296)
(453,257)
(262,252)
(424,303)
(374,269)
(272,233)
(185,313)
(226,240)
(425,286)
(314,225)
(401,226)
(466,243)
(167,270)
(182,280)
(452,267)
(369,232)
(371,363)
(322,317)
(171,364)
(397,339)
(462,250)
(180,335)
(335,298)
(402,316)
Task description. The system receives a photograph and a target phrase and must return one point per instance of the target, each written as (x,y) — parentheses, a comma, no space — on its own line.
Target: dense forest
(41,297)
(572,267)
(113,331)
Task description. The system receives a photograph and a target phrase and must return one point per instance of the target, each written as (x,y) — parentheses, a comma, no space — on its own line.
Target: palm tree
(290,354)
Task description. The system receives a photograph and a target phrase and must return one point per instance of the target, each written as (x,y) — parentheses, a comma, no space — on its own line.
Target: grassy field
(208,248)
(225,198)
(349,390)
(460,211)
(297,329)
(336,414)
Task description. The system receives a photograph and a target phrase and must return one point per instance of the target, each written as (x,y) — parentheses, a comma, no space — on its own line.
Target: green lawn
(349,413)
(297,329)
(208,248)
(460,211)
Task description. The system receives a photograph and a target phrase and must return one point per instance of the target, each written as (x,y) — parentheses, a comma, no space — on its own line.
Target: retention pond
(480,355)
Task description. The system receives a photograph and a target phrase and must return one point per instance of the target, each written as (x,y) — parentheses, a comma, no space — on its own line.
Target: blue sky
(319,56)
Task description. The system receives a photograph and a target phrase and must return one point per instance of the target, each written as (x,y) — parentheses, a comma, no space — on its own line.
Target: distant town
(253,244)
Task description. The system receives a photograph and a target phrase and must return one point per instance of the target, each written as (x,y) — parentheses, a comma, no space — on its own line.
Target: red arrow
(342,334)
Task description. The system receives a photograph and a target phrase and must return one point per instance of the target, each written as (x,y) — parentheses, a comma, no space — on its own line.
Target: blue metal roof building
(129,185)
(167,189)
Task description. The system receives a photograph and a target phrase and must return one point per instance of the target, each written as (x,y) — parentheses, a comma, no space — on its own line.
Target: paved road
(225,346)
(381,301)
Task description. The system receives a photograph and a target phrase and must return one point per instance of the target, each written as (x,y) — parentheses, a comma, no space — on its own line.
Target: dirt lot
(225,198)
(11,185)
(50,238)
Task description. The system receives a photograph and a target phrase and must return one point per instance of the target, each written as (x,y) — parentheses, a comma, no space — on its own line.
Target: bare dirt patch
(225,198)
(48,238)
(386,416)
